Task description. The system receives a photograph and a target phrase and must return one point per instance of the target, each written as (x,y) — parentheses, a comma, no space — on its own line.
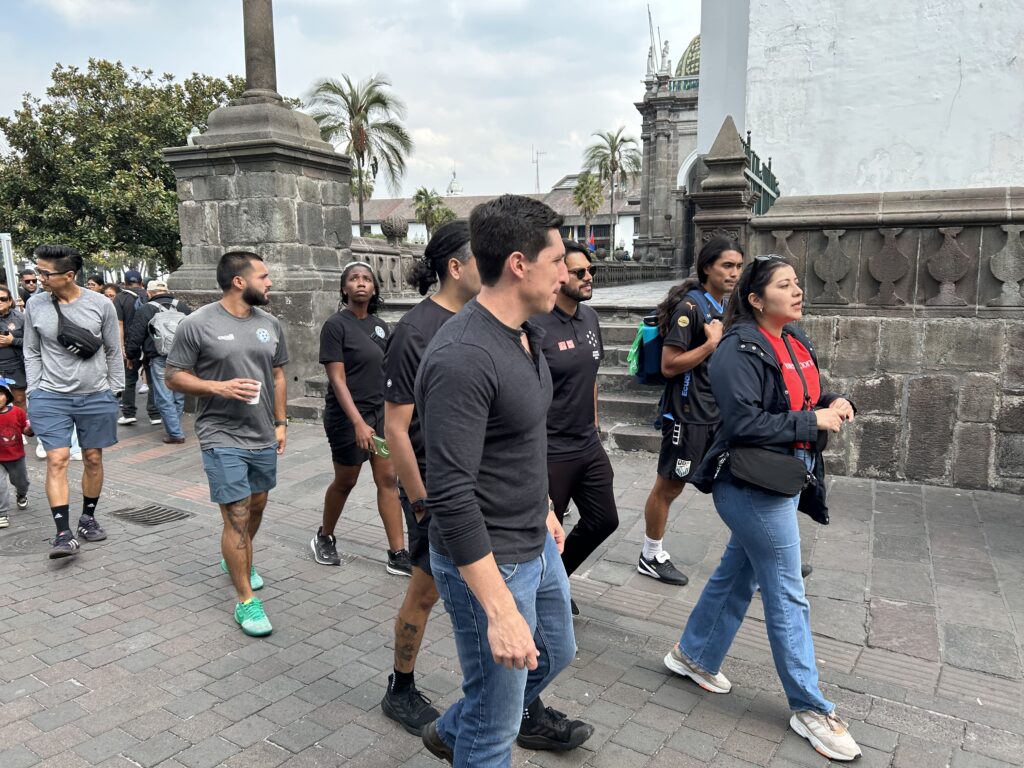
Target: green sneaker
(255,580)
(252,619)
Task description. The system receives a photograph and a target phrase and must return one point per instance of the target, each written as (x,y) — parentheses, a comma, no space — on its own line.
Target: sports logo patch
(683,321)
(379,331)
(263,335)
(682,467)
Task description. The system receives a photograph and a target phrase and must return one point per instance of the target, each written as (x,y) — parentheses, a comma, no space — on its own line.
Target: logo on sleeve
(683,321)
(379,331)
(592,338)
(263,335)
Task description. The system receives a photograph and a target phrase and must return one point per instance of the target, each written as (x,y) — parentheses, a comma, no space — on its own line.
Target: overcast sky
(483,81)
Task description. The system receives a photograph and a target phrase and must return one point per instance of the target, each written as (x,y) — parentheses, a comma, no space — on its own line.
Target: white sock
(652,547)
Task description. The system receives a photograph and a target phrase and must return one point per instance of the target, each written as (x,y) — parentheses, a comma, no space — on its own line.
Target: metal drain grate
(151,515)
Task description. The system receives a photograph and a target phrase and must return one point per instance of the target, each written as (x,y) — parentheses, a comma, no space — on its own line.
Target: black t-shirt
(573,348)
(688,397)
(359,344)
(402,360)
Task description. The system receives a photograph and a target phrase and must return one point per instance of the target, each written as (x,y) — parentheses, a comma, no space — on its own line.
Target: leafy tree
(429,205)
(365,117)
(616,159)
(442,216)
(588,197)
(366,181)
(85,168)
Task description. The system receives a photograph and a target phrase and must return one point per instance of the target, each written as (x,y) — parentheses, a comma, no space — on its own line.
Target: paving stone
(299,735)
(156,749)
(985,650)
(49,719)
(929,726)
(1001,745)
(752,749)
(905,628)
(208,753)
(19,756)
(912,752)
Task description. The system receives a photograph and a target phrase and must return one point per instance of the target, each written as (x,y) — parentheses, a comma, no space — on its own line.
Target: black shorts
(15,373)
(342,435)
(682,448)
(419,536)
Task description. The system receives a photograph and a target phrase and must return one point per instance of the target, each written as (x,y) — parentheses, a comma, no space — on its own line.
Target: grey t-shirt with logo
(217,346)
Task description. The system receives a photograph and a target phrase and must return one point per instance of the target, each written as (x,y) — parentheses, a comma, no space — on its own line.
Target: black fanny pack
(75,339)
(778,473)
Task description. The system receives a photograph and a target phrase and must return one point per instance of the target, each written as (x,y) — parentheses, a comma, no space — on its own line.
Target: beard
(254,298)
(577,294)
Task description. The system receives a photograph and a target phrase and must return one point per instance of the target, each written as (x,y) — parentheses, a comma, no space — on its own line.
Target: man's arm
(186,382)
(397,417)
(112,348)
(33,362)
(135,335)
(280,409)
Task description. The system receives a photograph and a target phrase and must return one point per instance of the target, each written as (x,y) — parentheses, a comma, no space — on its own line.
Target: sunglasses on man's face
(4,299)
(48,274)
(28,280)
(579,273)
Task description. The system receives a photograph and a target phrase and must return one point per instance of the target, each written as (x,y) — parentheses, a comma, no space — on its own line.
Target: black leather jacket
(755,410)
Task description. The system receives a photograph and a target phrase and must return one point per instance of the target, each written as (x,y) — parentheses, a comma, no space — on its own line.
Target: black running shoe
(660,567)
(325,549)
(544,728)
(434,744)
(399,563)
(805,571)
(23,502)
(408,707)
(89,529)
(65,545)
(573,607)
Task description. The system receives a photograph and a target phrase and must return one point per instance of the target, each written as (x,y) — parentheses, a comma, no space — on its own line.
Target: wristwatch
(281,422)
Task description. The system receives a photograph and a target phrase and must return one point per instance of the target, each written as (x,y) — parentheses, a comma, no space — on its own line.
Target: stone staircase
(626,409)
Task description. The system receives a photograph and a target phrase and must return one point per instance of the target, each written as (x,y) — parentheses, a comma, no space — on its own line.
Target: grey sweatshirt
(50,367)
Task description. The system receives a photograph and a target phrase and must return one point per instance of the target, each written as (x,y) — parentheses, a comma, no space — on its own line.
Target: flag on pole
(591,243)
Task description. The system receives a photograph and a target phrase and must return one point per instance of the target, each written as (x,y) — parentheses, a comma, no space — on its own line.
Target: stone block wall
(915,304)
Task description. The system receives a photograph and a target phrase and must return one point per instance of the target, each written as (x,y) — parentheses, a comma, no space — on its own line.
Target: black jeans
(131,380)
(588,482)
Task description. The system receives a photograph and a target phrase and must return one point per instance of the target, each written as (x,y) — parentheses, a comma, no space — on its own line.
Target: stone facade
(915,303)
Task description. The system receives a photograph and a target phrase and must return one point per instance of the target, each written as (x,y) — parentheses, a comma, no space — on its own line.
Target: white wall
(861,96)
(723,68)
(417,232)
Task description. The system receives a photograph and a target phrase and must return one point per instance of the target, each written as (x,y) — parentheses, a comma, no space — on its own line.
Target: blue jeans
(482,726)
(764,549)
(170,404)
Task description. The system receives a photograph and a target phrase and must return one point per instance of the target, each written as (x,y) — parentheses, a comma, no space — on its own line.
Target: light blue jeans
(764,549)
(481,726)
(170,404)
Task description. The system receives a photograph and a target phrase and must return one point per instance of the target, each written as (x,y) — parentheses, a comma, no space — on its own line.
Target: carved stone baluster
(887,266)
(1008,267)
(832,266)
(948,266)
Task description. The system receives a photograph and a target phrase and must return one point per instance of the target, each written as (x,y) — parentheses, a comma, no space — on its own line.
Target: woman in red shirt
(764,376)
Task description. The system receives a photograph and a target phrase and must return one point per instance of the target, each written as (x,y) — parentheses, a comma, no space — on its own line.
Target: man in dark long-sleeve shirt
(483,391)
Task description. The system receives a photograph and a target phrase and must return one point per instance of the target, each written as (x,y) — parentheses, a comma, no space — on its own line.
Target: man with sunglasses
(578,467)
(29,285)
(73,368)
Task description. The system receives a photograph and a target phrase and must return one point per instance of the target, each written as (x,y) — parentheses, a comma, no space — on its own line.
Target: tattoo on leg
(407,641)
(238,518)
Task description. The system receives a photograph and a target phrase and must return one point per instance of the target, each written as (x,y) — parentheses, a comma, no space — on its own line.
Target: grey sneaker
(679,664)
(827,734)
(65,545)
(89,529)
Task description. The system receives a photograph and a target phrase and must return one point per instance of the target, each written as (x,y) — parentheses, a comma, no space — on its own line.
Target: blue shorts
(94,416)
(237,473)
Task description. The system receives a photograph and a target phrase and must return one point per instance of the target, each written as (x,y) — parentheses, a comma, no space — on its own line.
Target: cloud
(95,11)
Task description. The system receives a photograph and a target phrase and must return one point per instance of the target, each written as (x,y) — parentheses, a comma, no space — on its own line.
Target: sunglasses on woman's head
(579,273)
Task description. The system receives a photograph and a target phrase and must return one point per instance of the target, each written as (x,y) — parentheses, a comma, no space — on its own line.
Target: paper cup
(256,398)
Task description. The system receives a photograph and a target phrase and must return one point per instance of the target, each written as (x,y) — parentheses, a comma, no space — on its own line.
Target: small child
(13,424)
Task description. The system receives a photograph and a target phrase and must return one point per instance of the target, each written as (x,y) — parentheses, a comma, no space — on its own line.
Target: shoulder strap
(174,303)
(799,371)
(158,305)
(702,303)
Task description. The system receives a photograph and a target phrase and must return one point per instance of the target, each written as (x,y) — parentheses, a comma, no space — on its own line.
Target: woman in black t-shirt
(352,344)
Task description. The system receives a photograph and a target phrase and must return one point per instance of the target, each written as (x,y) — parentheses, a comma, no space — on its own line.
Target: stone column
(725,200)
(261,178)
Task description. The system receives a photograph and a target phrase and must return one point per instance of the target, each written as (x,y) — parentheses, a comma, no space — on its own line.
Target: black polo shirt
(359,344)
(573,348)
(688,397)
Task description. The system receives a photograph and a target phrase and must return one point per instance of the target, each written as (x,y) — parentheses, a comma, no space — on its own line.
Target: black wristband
(418,507)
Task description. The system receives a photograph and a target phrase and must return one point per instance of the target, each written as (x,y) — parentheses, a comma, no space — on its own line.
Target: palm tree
(427,204)
(615,158)
(365,117)
(588,197)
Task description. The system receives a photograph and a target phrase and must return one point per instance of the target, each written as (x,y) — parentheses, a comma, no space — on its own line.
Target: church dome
(689,62)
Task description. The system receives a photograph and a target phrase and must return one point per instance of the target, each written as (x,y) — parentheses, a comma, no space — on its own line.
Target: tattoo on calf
(238,518)
(406,643)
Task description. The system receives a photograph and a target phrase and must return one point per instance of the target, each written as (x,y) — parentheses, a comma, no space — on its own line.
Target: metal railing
(611,273)
(678,84)
(762,179)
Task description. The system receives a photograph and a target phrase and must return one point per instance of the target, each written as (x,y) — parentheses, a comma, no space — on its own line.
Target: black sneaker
(65,545)
(434,743)
(573,607)
(399,563)
(23,502)
(408,707)
(325,549)
(805,571)
(660,567)
(89,529)
(544,728)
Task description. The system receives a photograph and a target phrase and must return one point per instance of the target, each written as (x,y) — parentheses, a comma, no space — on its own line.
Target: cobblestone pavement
(128,655)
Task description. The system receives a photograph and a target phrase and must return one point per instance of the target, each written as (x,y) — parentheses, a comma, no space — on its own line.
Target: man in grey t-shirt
(73,373)
(231,355)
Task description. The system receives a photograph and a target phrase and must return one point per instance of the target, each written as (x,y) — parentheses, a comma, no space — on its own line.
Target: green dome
(689,62)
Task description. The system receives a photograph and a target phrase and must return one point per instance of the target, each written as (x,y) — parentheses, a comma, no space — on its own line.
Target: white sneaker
(76,456)
(827,734)
(679,664)
(156,421)
(127,420)
(40,451)
(143,389)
